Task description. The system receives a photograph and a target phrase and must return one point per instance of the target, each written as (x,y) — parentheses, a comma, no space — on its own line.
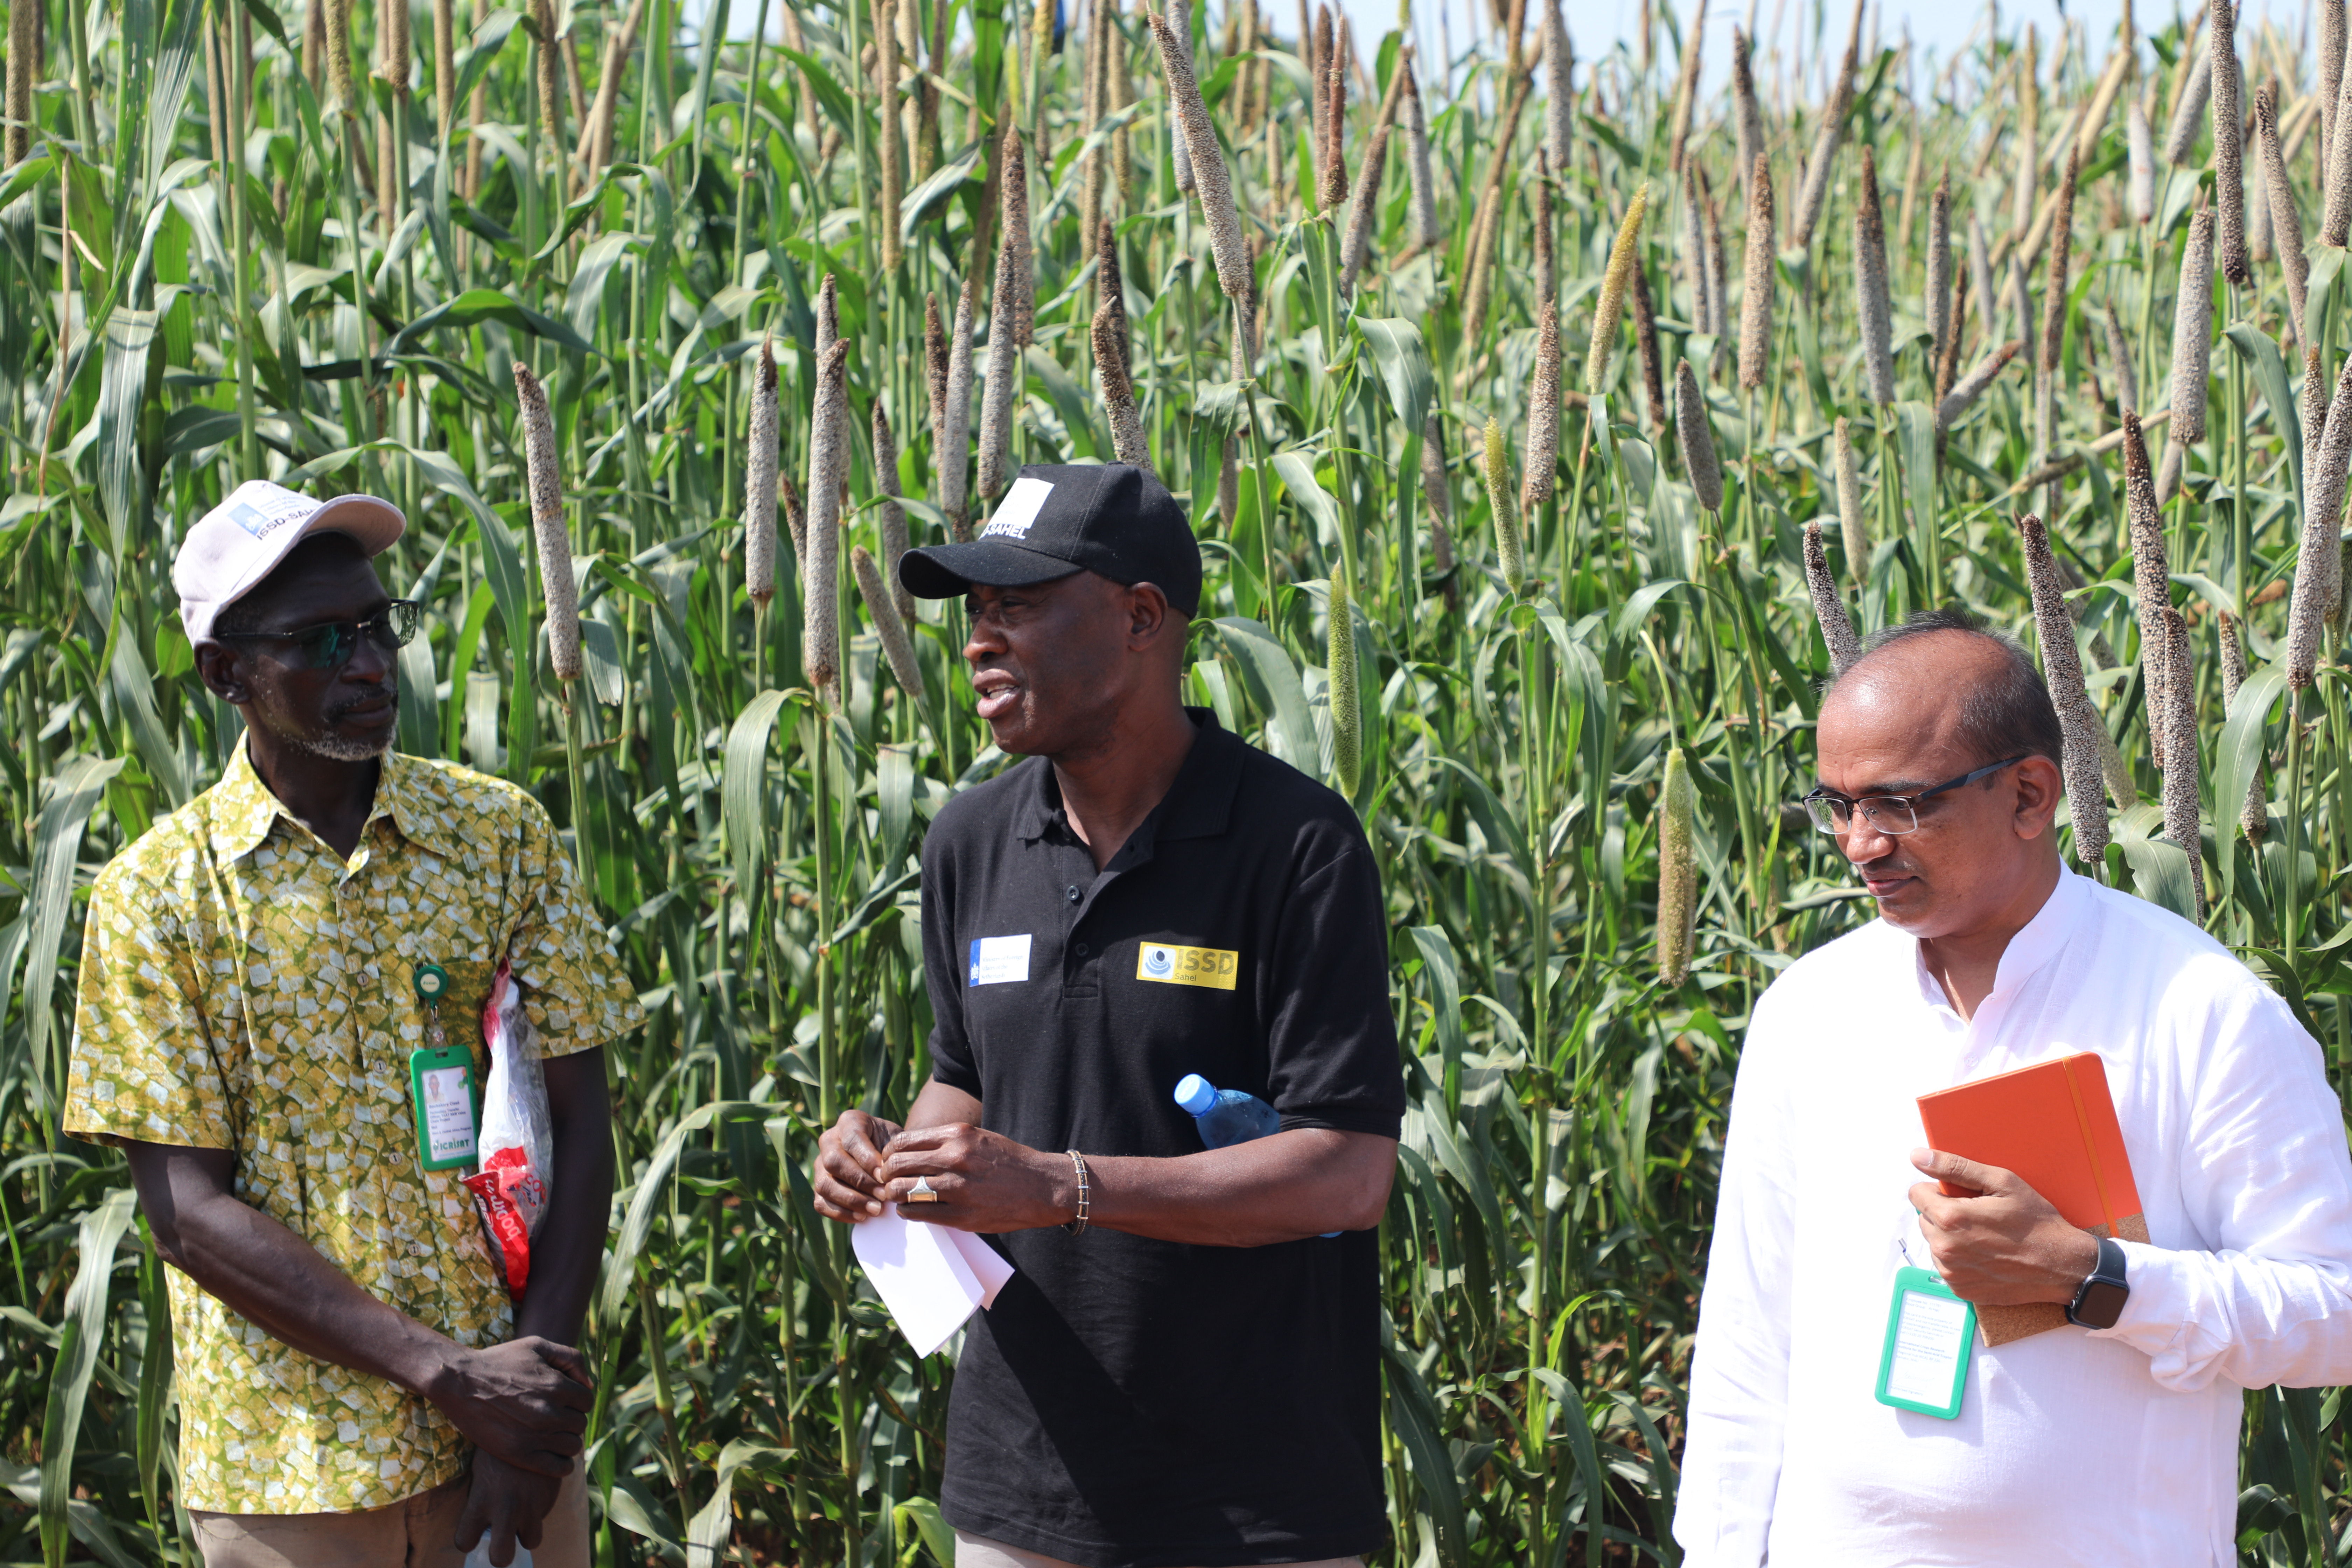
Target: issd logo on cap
(1171,965)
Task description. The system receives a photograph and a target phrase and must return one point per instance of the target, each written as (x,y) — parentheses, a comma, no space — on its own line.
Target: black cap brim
(947,570)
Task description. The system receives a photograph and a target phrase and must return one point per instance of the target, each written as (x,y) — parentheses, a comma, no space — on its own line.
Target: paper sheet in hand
(928,1276)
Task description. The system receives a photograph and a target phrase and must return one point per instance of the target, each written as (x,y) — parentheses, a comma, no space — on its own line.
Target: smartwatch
(2099,1300)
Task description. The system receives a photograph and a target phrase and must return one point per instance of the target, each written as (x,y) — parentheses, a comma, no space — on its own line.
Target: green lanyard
(441,1083)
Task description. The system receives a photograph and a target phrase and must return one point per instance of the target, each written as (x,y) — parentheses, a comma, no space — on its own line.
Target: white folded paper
(929,1276)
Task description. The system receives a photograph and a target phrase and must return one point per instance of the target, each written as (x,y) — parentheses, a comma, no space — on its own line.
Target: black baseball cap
(1111,519)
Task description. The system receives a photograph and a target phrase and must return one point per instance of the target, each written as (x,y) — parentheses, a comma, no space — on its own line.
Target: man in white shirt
(1939,777)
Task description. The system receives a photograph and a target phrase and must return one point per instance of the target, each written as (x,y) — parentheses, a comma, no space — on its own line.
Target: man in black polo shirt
(1184,1370)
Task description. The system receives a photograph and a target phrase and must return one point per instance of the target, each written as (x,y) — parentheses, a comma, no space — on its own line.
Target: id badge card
(1930,1335)
(441,1088)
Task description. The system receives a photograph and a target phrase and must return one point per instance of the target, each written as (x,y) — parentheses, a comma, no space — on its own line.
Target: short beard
(336,748)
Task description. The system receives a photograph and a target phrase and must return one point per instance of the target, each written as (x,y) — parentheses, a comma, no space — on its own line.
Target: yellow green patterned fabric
(243,988)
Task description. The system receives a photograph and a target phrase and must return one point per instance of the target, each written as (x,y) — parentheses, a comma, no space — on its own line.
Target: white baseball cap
(238,544)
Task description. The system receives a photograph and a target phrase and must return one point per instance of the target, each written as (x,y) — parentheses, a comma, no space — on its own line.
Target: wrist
(1082,1198)
(2081,1257)
(431,1368)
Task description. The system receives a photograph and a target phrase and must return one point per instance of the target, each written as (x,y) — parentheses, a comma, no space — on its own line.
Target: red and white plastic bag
(518,1137)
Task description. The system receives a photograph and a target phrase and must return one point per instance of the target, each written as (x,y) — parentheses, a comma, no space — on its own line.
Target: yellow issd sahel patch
(1172,966)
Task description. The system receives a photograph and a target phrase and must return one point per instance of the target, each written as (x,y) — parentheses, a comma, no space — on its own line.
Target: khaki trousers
(979,1551)
(415,1532)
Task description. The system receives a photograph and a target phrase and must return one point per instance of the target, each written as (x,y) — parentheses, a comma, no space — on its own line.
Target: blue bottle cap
(1196,1094)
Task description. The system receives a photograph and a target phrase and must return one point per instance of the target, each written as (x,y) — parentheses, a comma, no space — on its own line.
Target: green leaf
(477,305)
(586,301)
(1443,976)
(1296,470)
(1502,830)
(1916,423)
(85,1333)
(713,1525)
(1274,686)
(944,182)
(744,797)
(1402,357)
(488,39)
(920,1515)
(122,389)
(2238,760)
(2159,868)
(644,1199)
(2255,347)
(1415,1416)
(73,791)
(134,691)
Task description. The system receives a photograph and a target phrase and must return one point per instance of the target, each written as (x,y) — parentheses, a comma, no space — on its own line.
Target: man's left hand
(2003,1244)
(985,1181)
(510,1504)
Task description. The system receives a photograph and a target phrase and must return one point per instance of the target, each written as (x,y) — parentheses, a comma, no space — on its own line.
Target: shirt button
(1082,950)
(1072,892)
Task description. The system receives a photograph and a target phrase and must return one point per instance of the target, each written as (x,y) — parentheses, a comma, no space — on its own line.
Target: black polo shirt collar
(1198,804)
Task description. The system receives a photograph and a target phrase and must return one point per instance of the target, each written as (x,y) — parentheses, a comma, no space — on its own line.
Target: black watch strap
(2099,1300)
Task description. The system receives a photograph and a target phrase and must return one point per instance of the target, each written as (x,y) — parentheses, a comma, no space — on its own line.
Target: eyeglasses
(329,643)
(1893,814)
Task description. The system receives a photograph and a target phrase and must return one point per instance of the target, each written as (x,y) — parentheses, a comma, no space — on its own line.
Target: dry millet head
(2192,332)
(2229,178)
(890,625)
(2189,112)
(2286,224)
(2319,563)
(1971,386)
(1940,264)
(1001,387)
(759,482)
(1624,254)
(1677,870)
(935,361)
(828,461)
(1695,438)
(1870,286)
(2180,802)
(1543,412)
(1019,294)
(2140,162)
(1829,609)
(1503,499)
(1227,246)
(1756,296)
(2062,666)
(556,584)
(2152,583)
(2062,236)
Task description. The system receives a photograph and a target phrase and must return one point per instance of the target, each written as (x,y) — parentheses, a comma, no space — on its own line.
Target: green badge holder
(441,1089)
(1930,1336)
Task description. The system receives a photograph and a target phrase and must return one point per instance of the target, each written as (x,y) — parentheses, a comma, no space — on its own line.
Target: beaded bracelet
(1077,1227)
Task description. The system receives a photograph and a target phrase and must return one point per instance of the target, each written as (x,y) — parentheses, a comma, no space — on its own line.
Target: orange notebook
(2054,1125)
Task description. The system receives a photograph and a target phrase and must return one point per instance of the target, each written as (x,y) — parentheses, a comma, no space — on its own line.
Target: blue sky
(1598,25)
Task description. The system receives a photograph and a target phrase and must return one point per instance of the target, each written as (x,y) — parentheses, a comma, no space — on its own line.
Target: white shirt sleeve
(2267,1184)
(1739,1380)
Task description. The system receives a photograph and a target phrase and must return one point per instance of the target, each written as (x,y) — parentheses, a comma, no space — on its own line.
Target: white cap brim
(225,556)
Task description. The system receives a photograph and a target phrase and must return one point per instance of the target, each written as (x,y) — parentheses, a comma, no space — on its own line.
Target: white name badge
(999,960)
(1930,1333)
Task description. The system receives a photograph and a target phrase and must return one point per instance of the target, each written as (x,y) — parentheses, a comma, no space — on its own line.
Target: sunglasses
(329,643)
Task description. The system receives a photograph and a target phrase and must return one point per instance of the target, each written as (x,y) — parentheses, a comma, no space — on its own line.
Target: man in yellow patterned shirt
(355,1388)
